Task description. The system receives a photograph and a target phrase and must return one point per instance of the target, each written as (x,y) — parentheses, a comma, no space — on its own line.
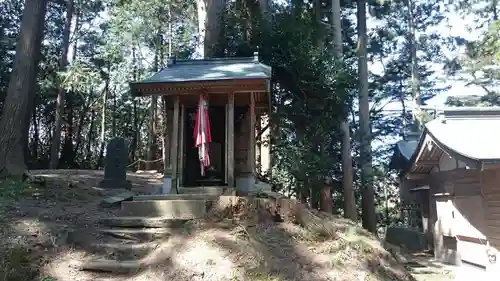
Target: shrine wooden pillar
(230,140)
(174,148)
(166,138)
(271,131)
(182,133)
(251,142)
(258,144)
(225,143)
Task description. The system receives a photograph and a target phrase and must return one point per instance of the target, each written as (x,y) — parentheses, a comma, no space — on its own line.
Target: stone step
(128,250)
(168,209)
(116,267)
(138,221)
(187,196)
(211,190)
(141,235)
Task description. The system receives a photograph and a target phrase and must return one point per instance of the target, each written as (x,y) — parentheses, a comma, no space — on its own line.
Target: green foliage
(14,189)
(390,48)
(17,264)
(478,65)
(310,91)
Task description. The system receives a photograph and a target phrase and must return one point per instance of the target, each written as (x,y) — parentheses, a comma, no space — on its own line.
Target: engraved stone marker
(115,165)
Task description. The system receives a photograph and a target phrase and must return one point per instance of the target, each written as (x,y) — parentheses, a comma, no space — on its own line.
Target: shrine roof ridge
(200,70)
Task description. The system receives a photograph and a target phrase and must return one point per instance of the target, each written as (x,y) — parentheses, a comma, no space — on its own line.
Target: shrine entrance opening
(214,174)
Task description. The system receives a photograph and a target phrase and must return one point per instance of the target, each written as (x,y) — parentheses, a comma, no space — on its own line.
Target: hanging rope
(144,161)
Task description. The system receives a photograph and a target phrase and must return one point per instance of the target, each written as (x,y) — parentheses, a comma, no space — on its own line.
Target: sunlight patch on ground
(65,266)
(30,226)
(203,258)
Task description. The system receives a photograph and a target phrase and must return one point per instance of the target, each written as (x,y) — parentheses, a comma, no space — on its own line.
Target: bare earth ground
(424,268)
(35,221)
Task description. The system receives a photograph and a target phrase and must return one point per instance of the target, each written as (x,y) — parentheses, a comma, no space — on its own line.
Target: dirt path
(35,217)
(37,220)
(424,268)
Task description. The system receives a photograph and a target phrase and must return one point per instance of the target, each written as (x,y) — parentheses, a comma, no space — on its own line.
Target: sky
(455,25)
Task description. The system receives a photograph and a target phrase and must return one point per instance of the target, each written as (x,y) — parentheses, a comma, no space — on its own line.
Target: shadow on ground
(235,243)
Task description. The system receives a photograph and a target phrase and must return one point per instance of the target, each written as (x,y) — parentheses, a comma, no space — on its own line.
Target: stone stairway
(121,244)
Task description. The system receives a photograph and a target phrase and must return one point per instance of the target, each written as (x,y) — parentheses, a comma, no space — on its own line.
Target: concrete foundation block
(172,209)
(175,197)
(245,183)
(208,190)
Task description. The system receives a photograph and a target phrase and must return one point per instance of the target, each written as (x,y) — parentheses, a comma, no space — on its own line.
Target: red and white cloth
(201,134)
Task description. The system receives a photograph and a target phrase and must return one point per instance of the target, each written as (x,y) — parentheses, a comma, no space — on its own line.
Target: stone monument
(115,165)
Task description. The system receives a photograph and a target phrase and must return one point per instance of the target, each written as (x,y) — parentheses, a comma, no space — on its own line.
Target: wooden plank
(235,84)
(258,145)
(251,142)
(204,84)
(182,145)
(168,109)
(271,128)
(429,163)
(417,176)
(174,152)
(225,144)
(230,143)
(242,99)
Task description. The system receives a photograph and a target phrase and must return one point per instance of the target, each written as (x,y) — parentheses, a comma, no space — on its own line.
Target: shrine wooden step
(141,221)
(128,250)
(112,266)
(167,209)
(188,196)
(137,234)
(209,190)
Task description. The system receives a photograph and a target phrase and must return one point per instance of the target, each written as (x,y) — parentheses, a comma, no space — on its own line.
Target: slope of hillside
(240,239)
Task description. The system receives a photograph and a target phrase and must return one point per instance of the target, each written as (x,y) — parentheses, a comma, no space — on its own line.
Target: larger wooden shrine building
(237,93)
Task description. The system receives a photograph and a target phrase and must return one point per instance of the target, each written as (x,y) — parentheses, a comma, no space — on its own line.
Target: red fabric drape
(201,134)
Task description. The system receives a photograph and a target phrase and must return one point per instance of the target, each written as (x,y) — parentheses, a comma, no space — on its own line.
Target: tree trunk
(61,94)
(113,115)
(326,199)
(264,6)
(209,25)
(19,97)
(81,120)
(36,136)
(88,154)
(368,200)
(103,124)
(419,115)
(152,136)
(26,126)
(151,153)
(136,137)
(67,152)
(350,211)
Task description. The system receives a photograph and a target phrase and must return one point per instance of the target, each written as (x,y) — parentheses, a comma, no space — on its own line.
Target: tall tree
(350,211)
(20,92)
(477,65)
(368,200)
(61,93)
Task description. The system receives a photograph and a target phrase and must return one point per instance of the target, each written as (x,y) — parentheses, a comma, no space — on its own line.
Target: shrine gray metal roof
(402,153)
(210,70)
(406,148)
(472,134)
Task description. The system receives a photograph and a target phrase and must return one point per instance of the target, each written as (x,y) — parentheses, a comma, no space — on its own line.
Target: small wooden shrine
(237,93)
